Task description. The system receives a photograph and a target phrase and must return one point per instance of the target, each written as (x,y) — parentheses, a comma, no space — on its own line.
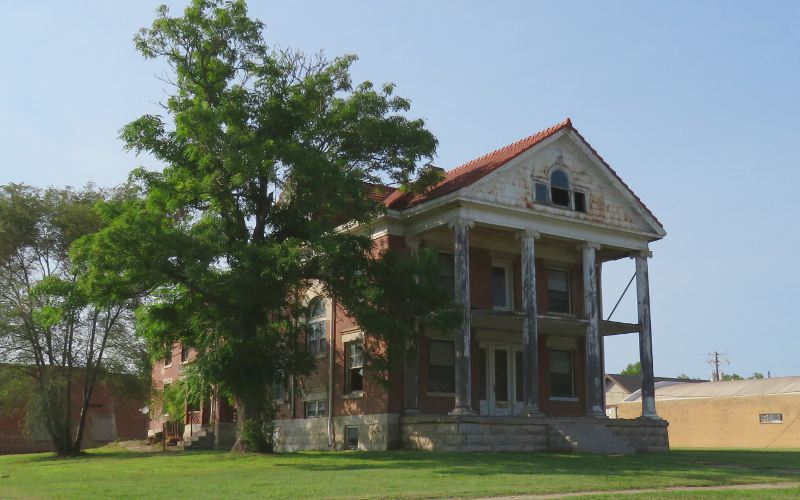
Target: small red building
(112,416)
(522,234)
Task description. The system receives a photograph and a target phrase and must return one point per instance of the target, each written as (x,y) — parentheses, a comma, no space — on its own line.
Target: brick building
(112,416)
(522,235)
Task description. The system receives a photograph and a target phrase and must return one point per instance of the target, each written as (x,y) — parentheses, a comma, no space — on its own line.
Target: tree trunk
(255,425)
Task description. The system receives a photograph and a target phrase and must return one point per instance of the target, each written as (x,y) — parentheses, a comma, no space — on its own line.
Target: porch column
(645,336)
(463,356)
(411,360)
(530,325)
(594,375)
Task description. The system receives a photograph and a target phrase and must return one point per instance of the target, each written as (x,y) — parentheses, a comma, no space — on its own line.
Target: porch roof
(549,324)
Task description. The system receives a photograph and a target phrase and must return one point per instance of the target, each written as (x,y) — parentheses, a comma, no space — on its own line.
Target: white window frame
(569,290)
(348,367)
(318,351)
(315,404)
(508,266)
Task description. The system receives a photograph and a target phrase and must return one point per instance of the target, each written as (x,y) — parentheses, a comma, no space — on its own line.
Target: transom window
(441,366)
(354,366)
(562,381)
(558,291)
(502,289)
(317,316)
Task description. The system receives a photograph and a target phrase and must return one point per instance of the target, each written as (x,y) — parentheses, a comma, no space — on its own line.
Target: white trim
(508,267)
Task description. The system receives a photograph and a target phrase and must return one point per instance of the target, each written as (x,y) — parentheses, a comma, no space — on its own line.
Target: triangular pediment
(608,200)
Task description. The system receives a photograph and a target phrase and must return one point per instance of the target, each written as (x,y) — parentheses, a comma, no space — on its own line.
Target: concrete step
(591,436)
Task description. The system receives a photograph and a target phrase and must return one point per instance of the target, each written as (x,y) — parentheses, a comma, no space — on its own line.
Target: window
(519,378)
(279,392)
(317,327)
(351,437)
(770,418)
(558,291)
(354,366)
(559,188)
(316,409)
(580,201)
(184,353)
(541,192)
(502,286)
(441,366)
(447,271)
(168,357)
(561,377)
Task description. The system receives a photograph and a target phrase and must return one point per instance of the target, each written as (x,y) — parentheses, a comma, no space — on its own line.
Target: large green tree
(268,153)
(54,329)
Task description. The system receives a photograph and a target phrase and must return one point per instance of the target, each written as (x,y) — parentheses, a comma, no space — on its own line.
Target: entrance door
(500,383)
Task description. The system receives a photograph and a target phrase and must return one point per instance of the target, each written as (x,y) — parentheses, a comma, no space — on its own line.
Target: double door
(501,390)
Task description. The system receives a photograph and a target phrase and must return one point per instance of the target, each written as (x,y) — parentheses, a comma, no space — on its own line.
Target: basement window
(316,409)
(351,437)
(441,366)
(354,366)
(770,418)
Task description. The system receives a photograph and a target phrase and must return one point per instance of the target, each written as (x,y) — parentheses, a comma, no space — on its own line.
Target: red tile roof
(474,170)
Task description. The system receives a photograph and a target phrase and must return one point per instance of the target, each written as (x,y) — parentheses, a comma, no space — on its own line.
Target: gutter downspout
(331,350)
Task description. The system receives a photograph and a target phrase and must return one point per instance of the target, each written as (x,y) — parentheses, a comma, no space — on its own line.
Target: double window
(441,366)
(316,409)
(562,380)
(354,366)
(317,326)
(558,300)
(560,192)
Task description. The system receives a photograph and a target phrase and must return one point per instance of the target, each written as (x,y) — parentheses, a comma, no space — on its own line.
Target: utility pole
(715,359)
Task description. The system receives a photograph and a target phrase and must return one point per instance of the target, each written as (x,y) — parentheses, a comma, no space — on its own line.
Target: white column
(594,375)
(645,335)
(530,331)
(463,403)
(411,360)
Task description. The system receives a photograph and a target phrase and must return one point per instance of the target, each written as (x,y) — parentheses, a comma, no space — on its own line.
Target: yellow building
(763,413)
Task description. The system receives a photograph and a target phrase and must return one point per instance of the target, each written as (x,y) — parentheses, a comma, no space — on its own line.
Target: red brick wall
(129,423)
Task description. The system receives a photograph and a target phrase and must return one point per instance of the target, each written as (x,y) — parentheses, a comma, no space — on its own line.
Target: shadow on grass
(700,464)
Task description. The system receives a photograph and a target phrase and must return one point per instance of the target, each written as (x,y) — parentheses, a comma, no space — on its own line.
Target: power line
(716,359)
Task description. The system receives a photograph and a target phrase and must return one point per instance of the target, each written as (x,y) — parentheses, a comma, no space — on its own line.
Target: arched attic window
(559,188)
(559,192)
(317,326)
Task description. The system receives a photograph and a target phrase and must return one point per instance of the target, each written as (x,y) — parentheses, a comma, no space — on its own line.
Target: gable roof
(755,387)
(633,383)
(476,169)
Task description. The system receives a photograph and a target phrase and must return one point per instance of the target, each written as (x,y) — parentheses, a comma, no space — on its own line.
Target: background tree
(632,369)
(268,152)
(54,328)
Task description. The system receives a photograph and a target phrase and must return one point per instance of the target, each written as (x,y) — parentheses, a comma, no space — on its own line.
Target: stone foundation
(482,433)
(375,432)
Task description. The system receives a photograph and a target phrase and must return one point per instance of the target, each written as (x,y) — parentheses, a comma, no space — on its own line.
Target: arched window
(559,188)
(317,316)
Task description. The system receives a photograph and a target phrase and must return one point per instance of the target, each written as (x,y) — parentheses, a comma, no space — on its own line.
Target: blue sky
(695,104)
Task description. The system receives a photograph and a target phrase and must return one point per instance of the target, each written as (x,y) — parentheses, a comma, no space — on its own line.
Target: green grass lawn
(114,472)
